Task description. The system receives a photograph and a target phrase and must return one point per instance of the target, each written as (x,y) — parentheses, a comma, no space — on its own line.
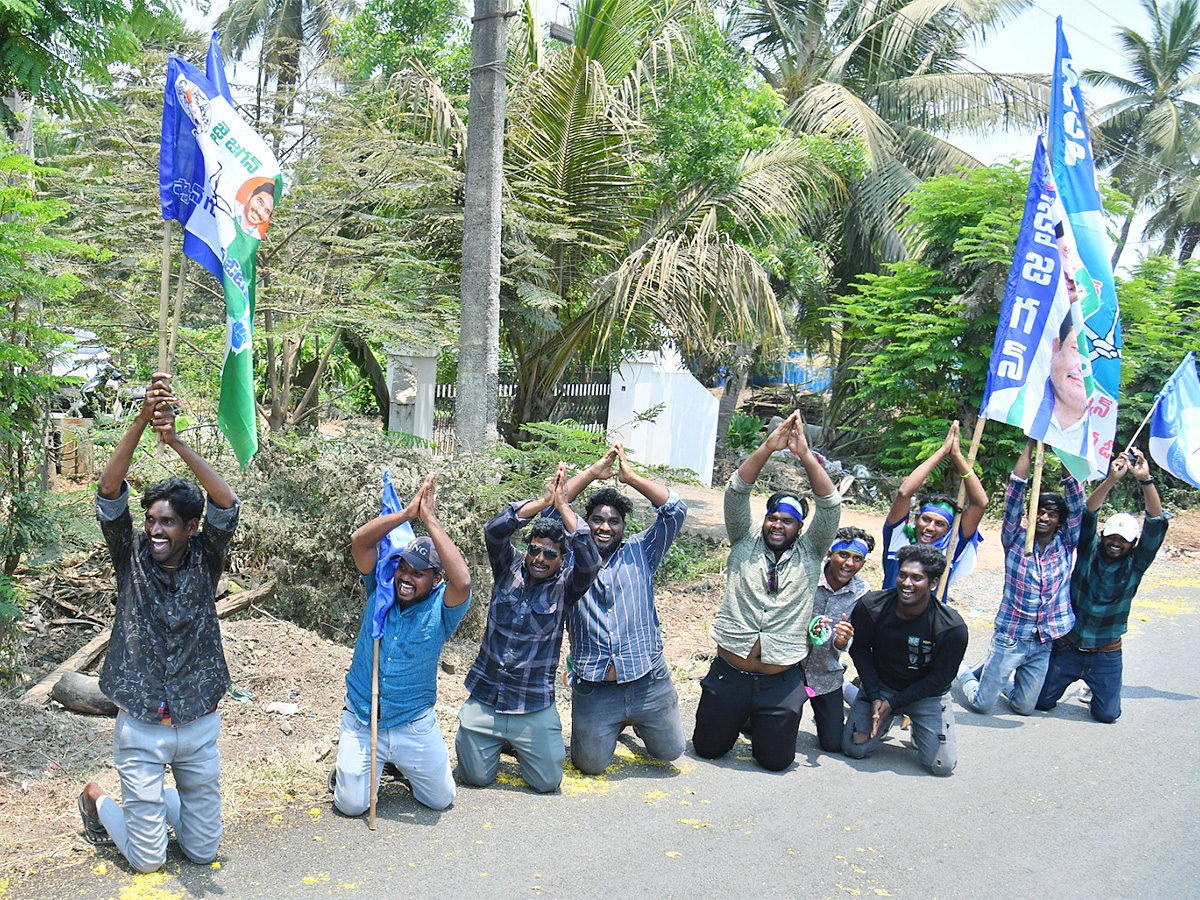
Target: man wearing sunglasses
(762,626)
(620,674)
(512,680)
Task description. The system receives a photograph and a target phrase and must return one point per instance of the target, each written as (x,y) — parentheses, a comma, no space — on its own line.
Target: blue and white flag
(221,181)
(389,557)
(1039,376)
(1075,179)
(1175,427)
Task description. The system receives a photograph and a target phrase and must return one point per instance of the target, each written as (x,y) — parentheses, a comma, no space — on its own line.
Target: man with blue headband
(762,627)
(838,590)
(418,590)
(935,515)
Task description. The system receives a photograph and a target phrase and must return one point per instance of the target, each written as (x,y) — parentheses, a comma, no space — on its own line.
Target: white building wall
(684,433)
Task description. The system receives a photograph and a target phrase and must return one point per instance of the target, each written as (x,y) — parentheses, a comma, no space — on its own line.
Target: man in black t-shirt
(907,650)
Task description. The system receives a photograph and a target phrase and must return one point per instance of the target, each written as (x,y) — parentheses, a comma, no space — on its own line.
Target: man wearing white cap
(1108,570)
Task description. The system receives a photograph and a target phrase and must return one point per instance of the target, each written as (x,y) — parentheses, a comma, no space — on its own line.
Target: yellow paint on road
(150,886)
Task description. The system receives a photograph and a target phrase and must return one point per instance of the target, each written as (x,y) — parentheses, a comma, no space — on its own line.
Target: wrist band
(967,474)
(1150,480)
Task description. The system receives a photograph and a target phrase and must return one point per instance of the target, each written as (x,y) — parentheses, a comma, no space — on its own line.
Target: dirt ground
(272,759)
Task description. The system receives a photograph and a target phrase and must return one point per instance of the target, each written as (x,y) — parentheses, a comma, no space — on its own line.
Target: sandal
(94,831)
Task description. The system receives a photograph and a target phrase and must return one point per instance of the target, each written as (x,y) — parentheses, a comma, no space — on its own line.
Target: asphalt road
(1054,805)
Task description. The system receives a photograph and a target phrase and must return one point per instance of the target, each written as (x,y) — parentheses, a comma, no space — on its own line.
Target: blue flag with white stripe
(389,557)
(1175,427)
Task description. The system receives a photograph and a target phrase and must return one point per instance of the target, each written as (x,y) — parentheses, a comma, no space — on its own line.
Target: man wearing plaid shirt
(1108,572)
(512,681)
(1036,608)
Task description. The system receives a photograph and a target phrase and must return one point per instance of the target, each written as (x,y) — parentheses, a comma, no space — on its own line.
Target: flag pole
(1153,407)
(1035,490)
(179,287)
(164,300)
(374,782)
(976,438)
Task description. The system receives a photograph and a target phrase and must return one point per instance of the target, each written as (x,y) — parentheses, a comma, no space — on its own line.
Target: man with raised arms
(761,629)
(620,676)
(430,584)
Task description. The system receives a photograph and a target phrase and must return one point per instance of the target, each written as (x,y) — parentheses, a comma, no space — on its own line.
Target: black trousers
(829,713)
(772,704)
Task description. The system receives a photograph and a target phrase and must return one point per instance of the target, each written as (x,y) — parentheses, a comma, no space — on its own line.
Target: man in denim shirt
(512,681)
(620,674)
(165,669)
(432,592)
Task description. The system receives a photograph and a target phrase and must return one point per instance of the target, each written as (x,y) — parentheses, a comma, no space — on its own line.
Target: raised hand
(843,631)
(1139,465)
(1119,467)
(781,436)
(428,497)
(797,442)
(603,468)
(163,421)
(624,471)
(158,391)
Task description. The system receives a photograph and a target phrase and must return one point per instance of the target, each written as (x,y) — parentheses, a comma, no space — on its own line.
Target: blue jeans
(600,710)
(138,825)
(417,749)
(1029,658)
(932,730)
(1099,671)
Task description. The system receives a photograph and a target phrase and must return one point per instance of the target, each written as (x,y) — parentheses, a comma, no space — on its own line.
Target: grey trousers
(932,731)
(138,825)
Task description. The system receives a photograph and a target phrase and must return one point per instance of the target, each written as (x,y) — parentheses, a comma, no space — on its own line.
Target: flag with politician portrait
(221,181)
(1040,377)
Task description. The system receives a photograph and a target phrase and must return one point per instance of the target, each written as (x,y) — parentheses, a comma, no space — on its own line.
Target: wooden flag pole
(164,301)
(1153,407)
(180,284)
(976,438)
(374,782)
(1035,490)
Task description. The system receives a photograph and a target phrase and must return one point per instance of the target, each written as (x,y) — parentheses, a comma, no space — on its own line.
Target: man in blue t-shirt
(432,588)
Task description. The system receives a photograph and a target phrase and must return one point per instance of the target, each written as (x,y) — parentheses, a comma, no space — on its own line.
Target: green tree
(916,340)
(28,252)
(893,74)
(385,34)
(283,31)
(50,53)
(1148,135)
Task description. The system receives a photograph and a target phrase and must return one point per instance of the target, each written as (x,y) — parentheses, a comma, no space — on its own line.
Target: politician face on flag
(1066,377)
(256,200)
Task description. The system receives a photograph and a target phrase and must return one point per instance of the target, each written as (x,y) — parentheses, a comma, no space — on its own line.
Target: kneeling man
(425,587)
(907,649)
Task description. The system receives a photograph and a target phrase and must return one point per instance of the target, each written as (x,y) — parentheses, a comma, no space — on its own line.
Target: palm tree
(617,269)
(1147,136)
(283,30)
(892,73)
(594,263)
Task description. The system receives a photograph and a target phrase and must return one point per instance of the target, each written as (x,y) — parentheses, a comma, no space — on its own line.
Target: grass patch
(689,557)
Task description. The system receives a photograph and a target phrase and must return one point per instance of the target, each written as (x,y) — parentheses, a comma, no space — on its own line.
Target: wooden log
(84,656)
(82,694)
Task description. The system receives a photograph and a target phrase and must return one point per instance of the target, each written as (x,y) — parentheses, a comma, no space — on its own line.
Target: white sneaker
(1085,694)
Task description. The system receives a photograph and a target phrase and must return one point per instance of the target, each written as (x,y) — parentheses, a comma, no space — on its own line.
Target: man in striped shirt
(1035,610)
(620,676)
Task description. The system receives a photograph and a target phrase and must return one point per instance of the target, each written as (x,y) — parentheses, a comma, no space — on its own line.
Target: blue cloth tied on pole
(389,557)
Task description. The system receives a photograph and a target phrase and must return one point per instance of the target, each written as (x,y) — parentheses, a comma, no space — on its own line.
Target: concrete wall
(411,378)
(684,433)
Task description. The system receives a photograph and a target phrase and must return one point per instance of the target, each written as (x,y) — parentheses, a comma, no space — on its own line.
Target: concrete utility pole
(475,405)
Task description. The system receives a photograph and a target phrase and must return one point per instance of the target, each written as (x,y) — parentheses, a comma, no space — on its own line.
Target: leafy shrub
(744,432)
